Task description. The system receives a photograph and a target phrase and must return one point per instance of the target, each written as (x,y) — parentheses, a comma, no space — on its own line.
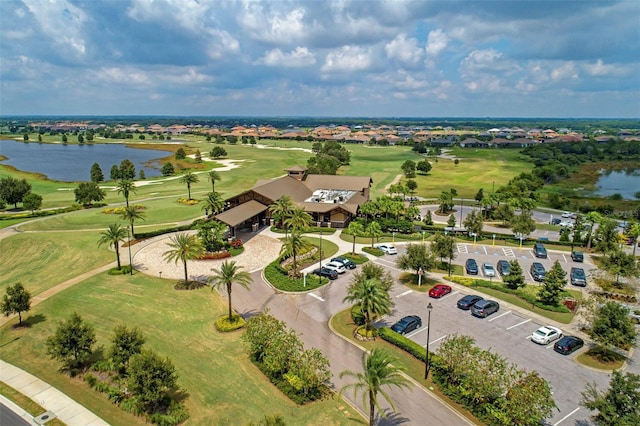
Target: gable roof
(239,214)
(288,185)
(352,183)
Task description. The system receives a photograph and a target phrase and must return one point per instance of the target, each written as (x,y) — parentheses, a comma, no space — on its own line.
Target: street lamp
(393,237)
(129,247)
(461,206)
(426,361)
(422,237)
(320,249)
(494,240)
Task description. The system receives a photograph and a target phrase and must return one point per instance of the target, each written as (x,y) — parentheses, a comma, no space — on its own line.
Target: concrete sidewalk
(50,398)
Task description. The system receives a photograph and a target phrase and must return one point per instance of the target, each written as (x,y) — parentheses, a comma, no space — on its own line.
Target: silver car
(487,270)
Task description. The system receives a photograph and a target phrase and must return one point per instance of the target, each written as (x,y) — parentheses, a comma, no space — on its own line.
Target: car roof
(548,328)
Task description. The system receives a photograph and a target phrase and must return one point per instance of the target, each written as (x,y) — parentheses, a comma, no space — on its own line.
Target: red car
(439,290)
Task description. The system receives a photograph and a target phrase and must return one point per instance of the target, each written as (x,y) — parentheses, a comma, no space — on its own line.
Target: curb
(18,410)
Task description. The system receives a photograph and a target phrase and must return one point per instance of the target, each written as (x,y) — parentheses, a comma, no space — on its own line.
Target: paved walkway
(54,401)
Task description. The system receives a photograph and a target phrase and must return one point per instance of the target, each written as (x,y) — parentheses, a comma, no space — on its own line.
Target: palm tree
(184,247)
(634,232)
(282,208)
(592,218)
(373,230)
(298,219)
(189,178)
(379,371)
(370,294)
(213,203)
(229,274)
(131,214)
(213,176)
(125,187)
(113,236)
(355,229)
(293,244)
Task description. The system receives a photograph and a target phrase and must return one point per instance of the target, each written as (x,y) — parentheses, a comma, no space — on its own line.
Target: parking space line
(450,294)
(550,346)
(485,249)
(519,324)
(378,261)
(566,417)
(500,316)
(405,293)
(316,296)
(438,339)
(417,331)
(565,258)
(462,248)
(508,252)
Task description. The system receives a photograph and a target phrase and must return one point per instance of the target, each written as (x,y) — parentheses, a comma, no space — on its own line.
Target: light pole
(420,272)
(494,240)
(426,361)
(461,206)
(393,237)
(129,247)
(422,237)
(321,250)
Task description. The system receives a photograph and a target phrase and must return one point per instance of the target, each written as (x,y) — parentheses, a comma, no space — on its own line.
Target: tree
(618,405)
(127,170)
(184,247)
(298,219)
(281,209)
(553,284)
(515,279)
(634,232)
(141,175)
(446,201)
(373,230)
(370,271)
(125,187)
(607,236)
(167,169)
(380,370)
(451,222)
(230,274)
(151,378)
(88,192)
(64,138)
(32,202)
(619,264)
(371,296)
(612,326)
(72,342)
(125,343)
(443,247)
(131,214)
(423,167)
(355,229)
(80,138)
(96,173)
(528,402)
(197,156)
(292,246)
(114,174)
(188,178)
(113,236)
(181,154)
(456,162)
(213,203)
(479,196)
(473,223)
(16,301)
(13,190)
(505,213)
(25,137)
(218,152)
(409,169)
(213,177)
(428,220)
(416,257)
(523,224)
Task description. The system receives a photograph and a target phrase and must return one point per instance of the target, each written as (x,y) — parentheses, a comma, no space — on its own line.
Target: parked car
(471,266)
(344,262)
(539,250)
(484,308)
(468,301)
(555,221)
(439,290)
(545,335)
(568,344)
(387,249)
(407,324)
(488,270)
(503,267)
(538,272)
(577,256)
(578,277)
(325,272)
(336,266)
(566,214)
(566,224)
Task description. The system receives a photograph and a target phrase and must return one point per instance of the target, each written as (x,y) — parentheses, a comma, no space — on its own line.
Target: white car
(566,224)
(545,335)
(336,266)
(488,270)
(387,249)
(566,215)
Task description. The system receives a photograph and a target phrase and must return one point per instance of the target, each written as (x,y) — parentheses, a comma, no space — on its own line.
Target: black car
(345,262)
(471,266)
(468,301)
(484,308)
(407,324)
(503,267)
(568,344)
(538,272)
(577,256)
(555,221)
(578,277)
(326,272)
(539,250)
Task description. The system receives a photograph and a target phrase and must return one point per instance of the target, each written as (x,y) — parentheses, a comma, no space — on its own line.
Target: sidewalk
(53,401)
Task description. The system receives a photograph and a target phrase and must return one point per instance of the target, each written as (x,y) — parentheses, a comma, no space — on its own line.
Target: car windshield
(540,333)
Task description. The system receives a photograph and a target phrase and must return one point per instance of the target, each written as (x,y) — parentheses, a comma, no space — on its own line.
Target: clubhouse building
(332,201)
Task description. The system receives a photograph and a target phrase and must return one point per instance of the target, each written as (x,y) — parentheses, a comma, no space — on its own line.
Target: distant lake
(72,163)
(625,183)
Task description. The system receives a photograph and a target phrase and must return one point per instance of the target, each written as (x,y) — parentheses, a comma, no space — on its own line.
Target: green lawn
(223,385)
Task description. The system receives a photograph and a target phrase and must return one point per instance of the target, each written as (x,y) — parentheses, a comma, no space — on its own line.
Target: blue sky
(450,58)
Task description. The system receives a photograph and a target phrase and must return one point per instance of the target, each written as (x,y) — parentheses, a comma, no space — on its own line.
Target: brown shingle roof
(239,214)
(351,183)
(285,185)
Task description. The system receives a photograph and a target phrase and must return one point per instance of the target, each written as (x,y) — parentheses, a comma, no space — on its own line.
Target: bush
(357,316)
(141,235)
(215,255)
(522,295)
(373,251)
(403,343)
(279,278)
(462,280)
(90,379)
(124,270)
(224,325)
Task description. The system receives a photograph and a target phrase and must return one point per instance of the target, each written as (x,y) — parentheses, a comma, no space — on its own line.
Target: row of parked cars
(337,266)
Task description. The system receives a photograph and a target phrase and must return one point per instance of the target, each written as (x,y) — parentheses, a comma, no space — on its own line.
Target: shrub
(357,316)
(403,343)
(236,243)
(462,280)
(224,325)
(142,235)
(188,202)
(124,270)
(279,278)
(90,379)
(215,255)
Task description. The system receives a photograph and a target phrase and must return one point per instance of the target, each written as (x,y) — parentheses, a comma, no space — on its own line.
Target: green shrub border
(223,324)
(279,278)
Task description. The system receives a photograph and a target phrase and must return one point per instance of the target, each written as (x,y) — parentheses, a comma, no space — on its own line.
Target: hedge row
(41,213)
(163,231)
(280,279)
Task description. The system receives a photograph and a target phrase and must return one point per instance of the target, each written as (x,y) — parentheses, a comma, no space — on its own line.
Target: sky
(451,58)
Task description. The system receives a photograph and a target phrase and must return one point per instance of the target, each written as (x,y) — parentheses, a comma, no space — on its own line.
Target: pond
(623,182)
(72,162)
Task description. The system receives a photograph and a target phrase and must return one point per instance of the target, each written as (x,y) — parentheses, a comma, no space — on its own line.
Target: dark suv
(484,308)
(503,267)
(539,250)
(538,272)
(578,277)
(471,266)
(345,262)
(577,256)
(326,272)
(407,324)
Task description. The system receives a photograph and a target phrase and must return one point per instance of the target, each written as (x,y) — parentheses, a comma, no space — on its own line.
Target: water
(625,183)
(72,163)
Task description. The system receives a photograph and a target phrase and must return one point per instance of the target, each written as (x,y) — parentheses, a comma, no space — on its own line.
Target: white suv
(336,266)
(387,249)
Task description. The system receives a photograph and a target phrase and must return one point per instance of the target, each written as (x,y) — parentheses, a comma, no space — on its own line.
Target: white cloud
(565,71)
(436,42)
(347,59)
(601,69)
(115,75)
(222,44)
(404,49)
(300,57)
(274,26)
(62,21)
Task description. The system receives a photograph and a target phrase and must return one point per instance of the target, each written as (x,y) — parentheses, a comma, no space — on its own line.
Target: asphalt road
(9,418)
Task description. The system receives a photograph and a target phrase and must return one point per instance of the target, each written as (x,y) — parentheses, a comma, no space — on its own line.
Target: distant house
(331,200)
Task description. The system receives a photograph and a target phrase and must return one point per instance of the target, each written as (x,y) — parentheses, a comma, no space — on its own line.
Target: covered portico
(246,216)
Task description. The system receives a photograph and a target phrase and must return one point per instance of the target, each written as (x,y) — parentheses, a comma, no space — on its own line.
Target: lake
(625,183)
(72,163)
